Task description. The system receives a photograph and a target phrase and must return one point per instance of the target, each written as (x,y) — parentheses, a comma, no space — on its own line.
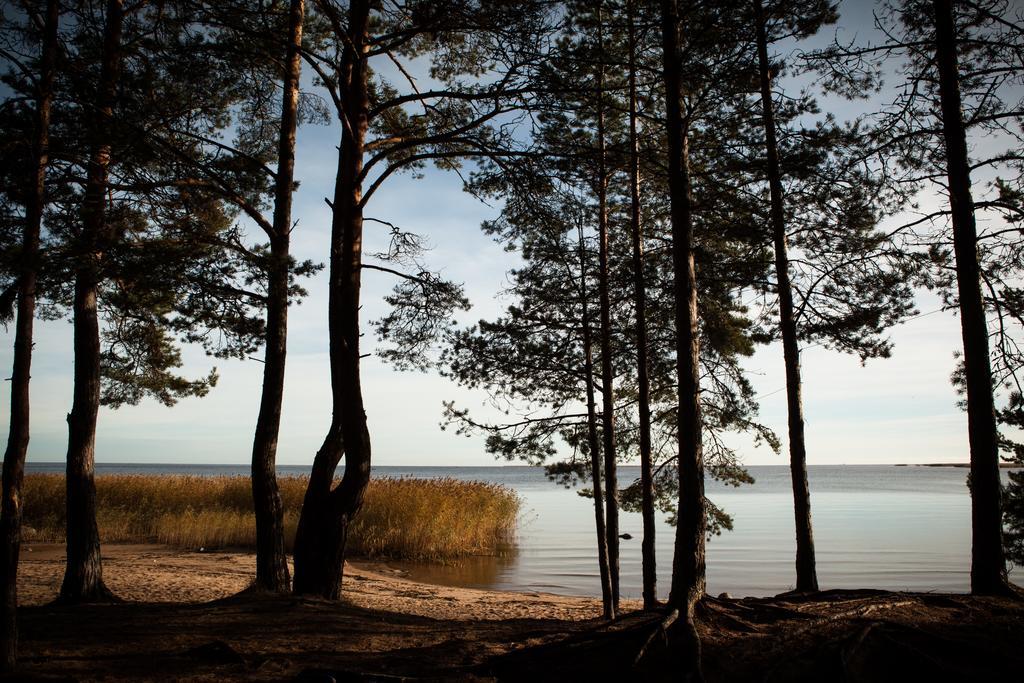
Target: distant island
(1005,465)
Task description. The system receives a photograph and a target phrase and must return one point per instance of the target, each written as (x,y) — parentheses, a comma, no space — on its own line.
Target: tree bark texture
(649,559)
(607,378)
(328,512)
(83,575)
(688,569)
(688,563)
(806,574)
(18,435)
(595,445)
(271,561)
(988,565)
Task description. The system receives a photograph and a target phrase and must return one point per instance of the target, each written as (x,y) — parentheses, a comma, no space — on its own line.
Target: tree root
(661,631)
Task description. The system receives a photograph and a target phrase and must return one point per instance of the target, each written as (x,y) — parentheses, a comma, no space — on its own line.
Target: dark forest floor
(834,636)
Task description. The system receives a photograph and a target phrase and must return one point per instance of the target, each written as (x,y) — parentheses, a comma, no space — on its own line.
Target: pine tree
(135,220)
(381,135)
(28,257)
(960,67)
(850,282)
(534,358)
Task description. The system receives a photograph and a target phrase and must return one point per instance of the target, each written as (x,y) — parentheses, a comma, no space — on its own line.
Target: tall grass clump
(402,518)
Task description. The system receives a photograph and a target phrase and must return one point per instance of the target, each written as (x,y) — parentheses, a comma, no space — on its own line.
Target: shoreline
(153,573)
(962,465)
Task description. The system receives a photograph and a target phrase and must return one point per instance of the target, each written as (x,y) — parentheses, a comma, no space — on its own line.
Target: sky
(900,409)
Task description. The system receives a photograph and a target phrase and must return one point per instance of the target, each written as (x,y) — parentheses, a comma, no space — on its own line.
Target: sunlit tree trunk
(18,435)
(83,575)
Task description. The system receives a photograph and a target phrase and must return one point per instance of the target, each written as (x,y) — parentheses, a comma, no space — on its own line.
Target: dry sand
(155,573)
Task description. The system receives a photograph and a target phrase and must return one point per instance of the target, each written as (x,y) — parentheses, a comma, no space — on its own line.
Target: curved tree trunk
(650,569)
(18,436)
(988,565)
(607,379)
(271,561)
(83,576)
(326,513)
(595,445)
(806,574)
(688,566)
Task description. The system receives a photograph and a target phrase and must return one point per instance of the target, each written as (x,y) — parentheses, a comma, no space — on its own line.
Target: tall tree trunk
(988,565)
(595,445)
(271,561)
(83,576)
(327,514)
(650,570)
(806,574)
(18,435)
(607,380)
(688,578)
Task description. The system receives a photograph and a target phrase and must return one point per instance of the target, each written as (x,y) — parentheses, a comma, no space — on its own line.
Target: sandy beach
(161,574)
(178,611)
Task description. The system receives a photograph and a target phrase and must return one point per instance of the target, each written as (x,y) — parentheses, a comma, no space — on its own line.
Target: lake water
(898,528)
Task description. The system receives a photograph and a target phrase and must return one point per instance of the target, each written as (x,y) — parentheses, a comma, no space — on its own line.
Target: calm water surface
(898,528)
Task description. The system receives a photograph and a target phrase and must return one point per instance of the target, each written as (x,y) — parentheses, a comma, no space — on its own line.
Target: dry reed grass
(402,518)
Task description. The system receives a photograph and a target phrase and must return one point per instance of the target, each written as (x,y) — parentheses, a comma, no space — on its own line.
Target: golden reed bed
(402,518)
